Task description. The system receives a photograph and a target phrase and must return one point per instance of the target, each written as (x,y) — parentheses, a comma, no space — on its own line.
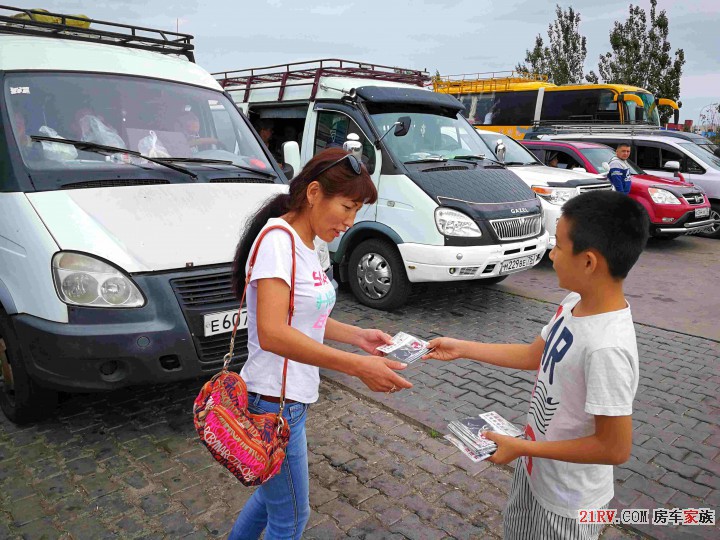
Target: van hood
(540,175)
(152,228)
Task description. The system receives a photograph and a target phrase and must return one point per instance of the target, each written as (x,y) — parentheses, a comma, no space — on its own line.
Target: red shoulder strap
(291,310)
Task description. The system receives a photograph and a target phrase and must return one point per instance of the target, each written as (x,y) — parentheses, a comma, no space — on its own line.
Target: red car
(674,206)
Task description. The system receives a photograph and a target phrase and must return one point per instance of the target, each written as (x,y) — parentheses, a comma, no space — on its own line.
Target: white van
(554,186)
(446,210)
(121,204)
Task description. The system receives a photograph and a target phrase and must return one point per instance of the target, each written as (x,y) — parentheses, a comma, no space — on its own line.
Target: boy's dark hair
(611,223)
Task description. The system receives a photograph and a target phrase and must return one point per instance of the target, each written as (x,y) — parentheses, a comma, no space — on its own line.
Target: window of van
(579,105)
(332,131)
(156,118)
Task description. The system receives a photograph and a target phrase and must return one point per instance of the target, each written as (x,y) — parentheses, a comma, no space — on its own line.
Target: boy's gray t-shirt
(589,367)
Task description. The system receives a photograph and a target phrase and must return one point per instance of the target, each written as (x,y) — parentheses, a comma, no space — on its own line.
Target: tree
(641,56)
(564,58)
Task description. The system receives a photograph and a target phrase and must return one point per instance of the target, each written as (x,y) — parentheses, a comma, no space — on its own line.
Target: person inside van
(189,124)
(552,160)
(23,139)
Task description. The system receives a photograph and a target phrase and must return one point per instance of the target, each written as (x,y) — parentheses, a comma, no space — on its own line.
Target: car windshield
(515,153)
(701,154)
(158,119)
(432,136)
(648,114)
(601,157)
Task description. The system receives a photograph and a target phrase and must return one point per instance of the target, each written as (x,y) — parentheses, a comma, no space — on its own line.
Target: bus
(513,102)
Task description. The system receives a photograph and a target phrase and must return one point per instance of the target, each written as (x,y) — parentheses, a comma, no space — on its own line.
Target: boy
(579,424)
(619,173)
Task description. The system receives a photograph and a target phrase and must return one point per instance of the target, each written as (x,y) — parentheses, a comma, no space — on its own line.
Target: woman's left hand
(369,340)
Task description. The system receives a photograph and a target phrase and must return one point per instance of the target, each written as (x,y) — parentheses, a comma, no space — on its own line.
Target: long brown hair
(340,180)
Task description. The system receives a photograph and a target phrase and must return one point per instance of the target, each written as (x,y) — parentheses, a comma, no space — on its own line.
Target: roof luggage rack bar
(283,76)
(73,27)
(482,82)
(628,129)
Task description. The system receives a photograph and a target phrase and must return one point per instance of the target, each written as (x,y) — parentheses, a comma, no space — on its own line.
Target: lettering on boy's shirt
(320,279)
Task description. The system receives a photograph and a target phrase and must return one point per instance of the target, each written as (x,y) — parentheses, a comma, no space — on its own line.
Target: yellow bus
(512,102)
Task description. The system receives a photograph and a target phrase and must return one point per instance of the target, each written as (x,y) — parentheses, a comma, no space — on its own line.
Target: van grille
(242,181)
(199,295)
(112,183)
(517,228)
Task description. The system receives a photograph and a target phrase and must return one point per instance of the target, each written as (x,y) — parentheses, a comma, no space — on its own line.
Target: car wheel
(21,399)
(377,275)
(493,280)
(713,231)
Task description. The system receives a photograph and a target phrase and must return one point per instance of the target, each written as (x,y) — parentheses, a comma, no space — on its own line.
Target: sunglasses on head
(352,160)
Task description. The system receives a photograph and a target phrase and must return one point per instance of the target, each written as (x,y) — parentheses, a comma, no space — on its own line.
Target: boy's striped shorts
(524,517)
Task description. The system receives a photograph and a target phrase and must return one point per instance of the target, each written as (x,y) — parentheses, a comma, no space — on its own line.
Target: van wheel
(377,275)
(21,399)
(713,231)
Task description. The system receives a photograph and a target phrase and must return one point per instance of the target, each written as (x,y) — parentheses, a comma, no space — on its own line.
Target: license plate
(223,321)
(702,212)
(513,265)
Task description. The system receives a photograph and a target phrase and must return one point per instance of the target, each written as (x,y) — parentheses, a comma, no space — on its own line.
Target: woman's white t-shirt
(314,300)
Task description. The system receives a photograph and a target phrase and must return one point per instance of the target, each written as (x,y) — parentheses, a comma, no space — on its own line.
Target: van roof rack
(297,73)
(599,129)
(487,81)
(31,22)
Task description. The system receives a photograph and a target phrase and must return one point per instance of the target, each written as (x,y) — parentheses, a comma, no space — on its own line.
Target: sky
(451,36)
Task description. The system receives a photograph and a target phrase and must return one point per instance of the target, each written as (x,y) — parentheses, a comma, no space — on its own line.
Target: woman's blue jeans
(281,506)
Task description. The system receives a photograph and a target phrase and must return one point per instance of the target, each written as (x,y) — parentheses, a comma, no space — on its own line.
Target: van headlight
(662,196)
(454,223)
(81,280)
(554,195)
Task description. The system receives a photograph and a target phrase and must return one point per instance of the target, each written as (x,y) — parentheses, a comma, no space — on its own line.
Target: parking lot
(127,464)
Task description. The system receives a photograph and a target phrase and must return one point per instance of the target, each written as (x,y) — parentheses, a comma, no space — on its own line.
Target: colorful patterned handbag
(251,446)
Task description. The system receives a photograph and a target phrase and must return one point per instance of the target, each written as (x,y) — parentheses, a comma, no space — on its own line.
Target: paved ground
(676,457)
(128,465)
(673,285)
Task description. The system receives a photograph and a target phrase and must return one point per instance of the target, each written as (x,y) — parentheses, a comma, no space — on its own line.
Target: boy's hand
(508,448)
(444,348)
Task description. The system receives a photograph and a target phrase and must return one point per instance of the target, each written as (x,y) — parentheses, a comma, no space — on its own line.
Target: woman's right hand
(379,376)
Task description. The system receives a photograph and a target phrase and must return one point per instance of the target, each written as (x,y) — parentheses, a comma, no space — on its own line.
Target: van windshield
(431,136)
(159,119)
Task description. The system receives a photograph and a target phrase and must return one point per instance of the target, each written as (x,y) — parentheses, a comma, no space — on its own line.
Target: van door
(332,128)
(652,157)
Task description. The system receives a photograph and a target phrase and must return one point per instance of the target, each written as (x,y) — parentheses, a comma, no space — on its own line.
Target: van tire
(714,214)
(377,276)
(23,401)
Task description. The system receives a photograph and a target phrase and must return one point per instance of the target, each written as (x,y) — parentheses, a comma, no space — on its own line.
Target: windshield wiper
(433,159)
(217,162)
(110,150)
(479,157)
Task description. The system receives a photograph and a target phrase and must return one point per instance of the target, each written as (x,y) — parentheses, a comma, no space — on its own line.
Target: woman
(323,201)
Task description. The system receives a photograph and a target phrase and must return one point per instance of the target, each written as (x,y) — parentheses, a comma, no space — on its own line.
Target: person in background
(552,160)
(323,201)
(619,173)
(189,124)
(265,129)
(580,420)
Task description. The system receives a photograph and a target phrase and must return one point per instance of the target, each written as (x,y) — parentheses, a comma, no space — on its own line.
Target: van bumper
(424,263)
(105,349)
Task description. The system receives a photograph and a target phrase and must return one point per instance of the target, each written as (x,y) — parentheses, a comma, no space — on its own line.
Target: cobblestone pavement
(128,465)
(675,461)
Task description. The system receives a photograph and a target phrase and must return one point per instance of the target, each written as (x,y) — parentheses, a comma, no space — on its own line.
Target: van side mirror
(402,126)
(500,150)
(291,157)
(672,165)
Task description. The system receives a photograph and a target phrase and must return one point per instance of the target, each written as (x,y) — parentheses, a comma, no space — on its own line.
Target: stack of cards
(467,434)
(405,348)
